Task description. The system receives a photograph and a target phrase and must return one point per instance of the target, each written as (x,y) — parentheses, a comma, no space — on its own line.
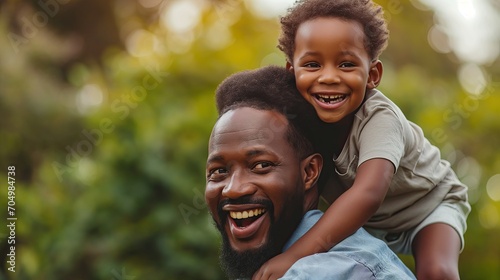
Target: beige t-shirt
(422,179)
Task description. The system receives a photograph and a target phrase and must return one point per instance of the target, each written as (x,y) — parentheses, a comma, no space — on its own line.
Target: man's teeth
(330,98)
(247,213)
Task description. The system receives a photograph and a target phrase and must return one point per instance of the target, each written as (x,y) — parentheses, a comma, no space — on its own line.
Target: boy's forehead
(331,25)
(344,35)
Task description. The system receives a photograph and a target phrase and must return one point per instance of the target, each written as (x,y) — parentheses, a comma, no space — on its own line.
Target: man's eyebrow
(250,153)
(214,158)
(257,152)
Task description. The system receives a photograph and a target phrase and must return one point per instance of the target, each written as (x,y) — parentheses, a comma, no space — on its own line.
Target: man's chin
(253,247)
(242,265)
(239,263)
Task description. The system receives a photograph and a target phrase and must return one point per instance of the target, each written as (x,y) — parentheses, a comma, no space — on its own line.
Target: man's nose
(329,75)
(239,185)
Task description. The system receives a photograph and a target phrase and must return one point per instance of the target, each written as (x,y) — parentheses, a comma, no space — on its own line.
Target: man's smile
(247,223)
(246,228)
(243,218)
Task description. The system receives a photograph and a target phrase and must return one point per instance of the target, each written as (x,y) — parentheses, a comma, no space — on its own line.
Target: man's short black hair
(365,12)
(271,88)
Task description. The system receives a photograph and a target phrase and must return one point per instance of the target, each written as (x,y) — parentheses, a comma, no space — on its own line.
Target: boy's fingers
(257,275)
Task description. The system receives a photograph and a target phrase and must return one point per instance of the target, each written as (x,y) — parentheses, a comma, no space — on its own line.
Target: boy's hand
(275,267)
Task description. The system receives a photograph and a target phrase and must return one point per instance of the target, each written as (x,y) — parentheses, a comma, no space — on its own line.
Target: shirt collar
(310,218)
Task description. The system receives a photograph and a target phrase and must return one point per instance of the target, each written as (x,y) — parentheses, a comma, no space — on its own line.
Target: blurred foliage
(105,111)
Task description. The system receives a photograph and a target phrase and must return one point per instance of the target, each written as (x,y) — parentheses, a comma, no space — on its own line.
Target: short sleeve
(382,136)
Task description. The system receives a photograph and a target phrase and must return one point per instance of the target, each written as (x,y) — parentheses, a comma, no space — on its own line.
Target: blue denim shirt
(359,256)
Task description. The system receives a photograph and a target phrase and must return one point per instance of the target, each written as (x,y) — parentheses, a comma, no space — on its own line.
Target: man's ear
(375,74)
(311,169)
(289,67)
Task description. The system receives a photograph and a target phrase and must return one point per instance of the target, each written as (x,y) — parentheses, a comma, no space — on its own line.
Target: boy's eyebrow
(343,52)
(349,52)
(309,53)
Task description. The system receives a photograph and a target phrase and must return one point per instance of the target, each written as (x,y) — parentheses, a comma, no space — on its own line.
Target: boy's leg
(436,249)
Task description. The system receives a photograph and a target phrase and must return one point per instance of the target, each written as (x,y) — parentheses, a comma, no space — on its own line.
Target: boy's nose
(238,186)
(329,76)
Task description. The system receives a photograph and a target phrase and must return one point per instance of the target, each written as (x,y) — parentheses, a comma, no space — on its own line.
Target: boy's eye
(347,64)
(311,65)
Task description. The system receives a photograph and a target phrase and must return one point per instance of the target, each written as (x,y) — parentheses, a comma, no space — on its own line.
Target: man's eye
(263,165)
(217,173)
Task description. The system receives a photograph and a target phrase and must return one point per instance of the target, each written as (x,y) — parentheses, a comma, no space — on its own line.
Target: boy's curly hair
(366,12)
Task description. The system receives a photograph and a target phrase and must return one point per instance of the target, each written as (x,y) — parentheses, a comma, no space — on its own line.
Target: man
(262,189)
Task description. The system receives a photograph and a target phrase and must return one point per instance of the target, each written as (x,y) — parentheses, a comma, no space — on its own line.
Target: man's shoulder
(329,265)
(359,256)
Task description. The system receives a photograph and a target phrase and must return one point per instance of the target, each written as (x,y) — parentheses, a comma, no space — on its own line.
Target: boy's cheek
(305,95)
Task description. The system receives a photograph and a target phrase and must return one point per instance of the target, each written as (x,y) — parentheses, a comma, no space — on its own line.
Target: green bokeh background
(105,113)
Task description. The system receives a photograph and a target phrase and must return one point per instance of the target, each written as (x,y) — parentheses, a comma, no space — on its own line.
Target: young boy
(397,186)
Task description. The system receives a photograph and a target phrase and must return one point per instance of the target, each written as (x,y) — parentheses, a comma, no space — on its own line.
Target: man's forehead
(248,125)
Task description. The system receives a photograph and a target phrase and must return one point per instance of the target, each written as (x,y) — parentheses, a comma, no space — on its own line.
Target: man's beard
(242,265)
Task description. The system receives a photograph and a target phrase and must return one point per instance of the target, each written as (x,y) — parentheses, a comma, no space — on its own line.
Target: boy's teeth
(247,213)
(330,98)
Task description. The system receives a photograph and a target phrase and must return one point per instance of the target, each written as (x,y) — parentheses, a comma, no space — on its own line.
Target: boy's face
(332,67)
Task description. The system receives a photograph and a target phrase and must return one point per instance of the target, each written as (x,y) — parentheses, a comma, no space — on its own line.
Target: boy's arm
(346,215)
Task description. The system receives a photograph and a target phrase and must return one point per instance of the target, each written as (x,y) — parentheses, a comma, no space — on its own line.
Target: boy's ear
(375,74)
(311,169)
(289,67)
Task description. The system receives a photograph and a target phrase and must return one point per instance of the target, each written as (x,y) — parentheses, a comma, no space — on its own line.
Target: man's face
(255,190)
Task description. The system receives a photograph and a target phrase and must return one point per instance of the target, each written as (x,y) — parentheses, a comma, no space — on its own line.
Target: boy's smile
(332,67)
